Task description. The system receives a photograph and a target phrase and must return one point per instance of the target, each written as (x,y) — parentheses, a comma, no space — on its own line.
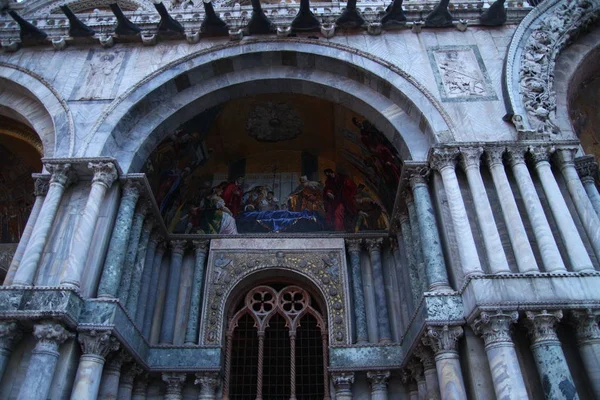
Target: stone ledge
(361,358)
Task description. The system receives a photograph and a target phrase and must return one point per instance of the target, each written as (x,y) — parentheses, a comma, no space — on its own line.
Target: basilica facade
(313,200)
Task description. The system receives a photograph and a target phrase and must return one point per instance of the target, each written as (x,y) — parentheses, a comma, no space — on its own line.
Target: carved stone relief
(227,268)
(460,73)
(100,77)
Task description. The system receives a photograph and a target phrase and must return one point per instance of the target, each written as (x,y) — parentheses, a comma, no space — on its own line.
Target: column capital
(140,385)
(566,155)
(41,186)
(542,325)
(471,157)
(105,173)
(378,379)
(174,382)
(156,237)
(374,244)
(495,327)
(178,246)
(342,378)
(201,245)
(417,175)
(116,360)
(416,369)
(587,168)
(143,206)
(444,158)
(132,188)
(407,379)
(494,155)
(149,224)
(516,154)
(62,174)
(425,354)
(99,343)
(353,245)
(10,333)
(208,381)
(130,372)
(586,325)
(540,153)
(443,339)
(51,333)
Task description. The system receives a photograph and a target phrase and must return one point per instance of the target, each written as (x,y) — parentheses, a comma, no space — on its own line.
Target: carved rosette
(201,246)
(493,156)
(41,186)
(586,326)
(208,381)
(227,268)
(178,246)
(425,354)
(50,335)
(98,343)
(62,174)
(105,173)
(444,158)
(542,325)
(495,327)
(10,333)
(443,339)
(129,373)
(471,157)
(374,244)
(587,168)
(378,380)
(174,382)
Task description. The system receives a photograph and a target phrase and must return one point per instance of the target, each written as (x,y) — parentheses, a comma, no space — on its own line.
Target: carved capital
(586,326)
(10,333)
(495,327)
(98,342)
(140,385)
(132,189)
(143,207)
(516,155)
(425,354)
(178,246)
(342,382)
(62,174)
(201,246)
(417,175)
(494,155)
(444,158)
(542,325)
(105,173)
(408,380)
(156,238)
(149,224)
(378,379)
(354,245)
(208,381)
(129,372)
(41,186)
(540,153)
(116,360)
(443,339)
(566,155)
(416,369)
(587,168)
(470,157)
(374,244)
(51,333)
(174,382)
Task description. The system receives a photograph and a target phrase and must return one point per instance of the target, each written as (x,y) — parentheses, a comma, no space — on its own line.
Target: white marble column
(40,371)
(587,215)
(105,174)
(587,168)
(425,354)
(443,340)
(41,188)
(140,387)
(512,218)
(174,382)
(471,162)
(342,384)
(444,160)
(62,176)
(139,266)
(551,258)
(379,383)
(128,374)
(501,353)
(191,332)
(95,346)
(209,382)
(550,360)
(10,334)
(167,331)
(109,384)
(576,251)
(588,342)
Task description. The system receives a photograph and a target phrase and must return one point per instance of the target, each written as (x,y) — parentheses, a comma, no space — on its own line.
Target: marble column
(191,333)
(140,387)
(410,257)
(167,331)
(174,382)
(587,215)
(139,267)
(142,303)
(551,258)
(443,340)
(431,244)
(113,266)
(10,334)
(517,234)
(40,190)
(38,378)
(379,383)
(360,315)
(550,360)
(128,374)
(132,250)
(588,342)
(576,251)
(383,322)
(501,353)
(444,160)
(471,162)
(150,304)
(109,384)
(342,384)
(62,176)
(425,354)
(587,168)
(105,174)
(416,371)
(417,247)
(208,381)
(95,346)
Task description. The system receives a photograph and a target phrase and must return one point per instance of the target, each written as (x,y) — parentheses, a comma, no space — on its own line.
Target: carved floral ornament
(227,269)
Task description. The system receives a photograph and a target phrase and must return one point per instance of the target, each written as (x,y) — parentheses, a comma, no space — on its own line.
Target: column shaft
(142,303)
(379,389)
(132,251)
(109,384)
(10,333)
(418,248)
(147,308)
(167,331)
(139,266)
(444,342)
(588,342)
(360,315)
(591,190)
(410,257)
(551,257)
(191,332)
(383,322)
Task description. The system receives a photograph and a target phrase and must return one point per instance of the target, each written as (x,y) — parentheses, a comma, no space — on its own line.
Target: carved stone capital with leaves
(61,174)
(444,158)
(178,246)
(516,154)
(374,244)
(129,373)
(495,326)
(587,168)
(353,245)
(470,157)
(116,361)
(494,156)
(342,382)
(99,343)
(542,325)
(586,326)
(443,339)
(201,246)
(540,153)
(378,379)
(174,382)
(416,369)
(10,333)
(209,382)
(41,186)
(425,354)
(50,335)
(105,173)
(132,188)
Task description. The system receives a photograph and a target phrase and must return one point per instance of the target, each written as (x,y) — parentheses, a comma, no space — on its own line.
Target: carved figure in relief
(101,76)
(460,79)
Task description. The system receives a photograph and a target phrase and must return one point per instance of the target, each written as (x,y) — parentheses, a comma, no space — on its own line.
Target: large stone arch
(529,71)
(40,106)
(140,118)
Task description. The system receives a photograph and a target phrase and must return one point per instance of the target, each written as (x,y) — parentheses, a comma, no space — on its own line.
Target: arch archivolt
(230,269)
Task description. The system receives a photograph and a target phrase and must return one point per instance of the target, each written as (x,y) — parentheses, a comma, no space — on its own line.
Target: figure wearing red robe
(233,194)
(339,198)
